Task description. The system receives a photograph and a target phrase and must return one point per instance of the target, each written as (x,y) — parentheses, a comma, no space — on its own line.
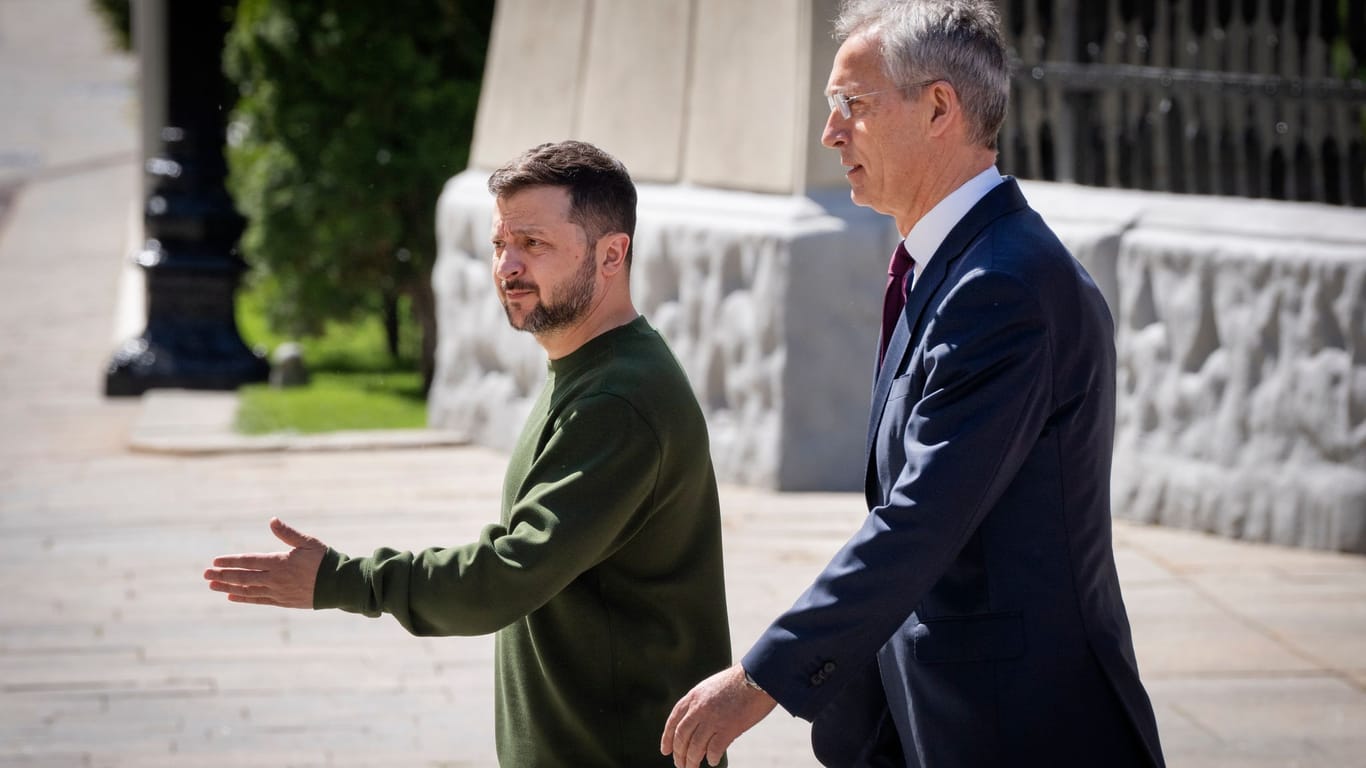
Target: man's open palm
(277,578)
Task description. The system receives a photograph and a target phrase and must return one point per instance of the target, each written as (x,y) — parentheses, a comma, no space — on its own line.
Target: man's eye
(532,242)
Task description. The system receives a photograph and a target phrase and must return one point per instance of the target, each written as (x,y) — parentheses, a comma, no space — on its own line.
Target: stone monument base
(1241,338)
(1240,331)
(770,302)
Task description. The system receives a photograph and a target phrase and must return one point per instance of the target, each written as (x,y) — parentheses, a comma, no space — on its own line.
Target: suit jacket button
(829,667)
(817,679)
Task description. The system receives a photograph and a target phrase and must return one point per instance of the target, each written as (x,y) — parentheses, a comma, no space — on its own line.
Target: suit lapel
(1001,200)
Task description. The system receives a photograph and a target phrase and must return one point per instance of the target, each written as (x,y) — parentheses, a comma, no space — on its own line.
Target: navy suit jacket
(975,618)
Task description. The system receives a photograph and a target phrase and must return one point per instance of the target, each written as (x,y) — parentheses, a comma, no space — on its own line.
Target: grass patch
(334,401)
(354,382)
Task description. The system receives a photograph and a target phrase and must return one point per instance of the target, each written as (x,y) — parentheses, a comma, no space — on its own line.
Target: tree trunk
(391,324)
(424,312)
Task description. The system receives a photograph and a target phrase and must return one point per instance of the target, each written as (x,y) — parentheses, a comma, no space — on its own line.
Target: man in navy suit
(975,619)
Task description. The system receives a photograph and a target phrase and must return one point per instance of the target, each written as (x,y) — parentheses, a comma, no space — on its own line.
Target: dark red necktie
(894,300)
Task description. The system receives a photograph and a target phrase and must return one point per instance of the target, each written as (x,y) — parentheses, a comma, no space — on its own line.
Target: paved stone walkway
(113,653)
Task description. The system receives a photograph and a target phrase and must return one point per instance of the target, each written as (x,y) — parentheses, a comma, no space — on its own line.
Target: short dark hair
(602,197)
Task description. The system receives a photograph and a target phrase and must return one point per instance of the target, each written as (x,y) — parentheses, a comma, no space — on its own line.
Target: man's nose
(508,265)
(834,134)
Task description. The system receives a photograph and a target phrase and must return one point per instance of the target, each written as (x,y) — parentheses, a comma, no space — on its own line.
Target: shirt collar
(929,233)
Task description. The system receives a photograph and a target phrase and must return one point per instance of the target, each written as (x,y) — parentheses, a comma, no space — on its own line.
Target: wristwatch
(749,681)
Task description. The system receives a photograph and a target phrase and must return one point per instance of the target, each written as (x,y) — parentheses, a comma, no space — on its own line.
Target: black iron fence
(1251,98)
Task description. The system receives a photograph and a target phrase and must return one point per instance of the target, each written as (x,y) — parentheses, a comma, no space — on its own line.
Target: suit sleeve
(586,492)
(984,402)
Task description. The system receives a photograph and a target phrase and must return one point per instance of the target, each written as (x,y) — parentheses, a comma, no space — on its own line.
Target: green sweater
(603,579)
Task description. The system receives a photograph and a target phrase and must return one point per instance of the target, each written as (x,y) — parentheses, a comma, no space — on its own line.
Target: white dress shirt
(929,233)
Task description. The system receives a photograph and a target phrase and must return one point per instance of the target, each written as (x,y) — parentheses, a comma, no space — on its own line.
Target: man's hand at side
(710,716)
(278,578)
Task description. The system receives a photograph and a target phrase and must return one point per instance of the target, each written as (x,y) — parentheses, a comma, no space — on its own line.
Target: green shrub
(334,401)
(354,384)
(351,118)
(118,17)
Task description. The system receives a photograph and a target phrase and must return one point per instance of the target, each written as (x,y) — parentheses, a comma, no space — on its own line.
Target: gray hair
(955,40)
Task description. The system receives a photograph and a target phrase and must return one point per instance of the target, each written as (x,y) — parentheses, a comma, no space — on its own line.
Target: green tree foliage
(352,115)
(118,18)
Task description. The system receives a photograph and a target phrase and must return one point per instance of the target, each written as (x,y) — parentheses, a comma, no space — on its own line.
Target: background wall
(1240,330)
(706,92)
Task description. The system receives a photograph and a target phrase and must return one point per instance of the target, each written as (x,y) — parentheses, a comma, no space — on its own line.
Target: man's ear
(945,110)
(612,252)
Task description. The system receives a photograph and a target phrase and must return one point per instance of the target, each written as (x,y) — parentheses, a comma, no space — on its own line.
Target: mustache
(517,285)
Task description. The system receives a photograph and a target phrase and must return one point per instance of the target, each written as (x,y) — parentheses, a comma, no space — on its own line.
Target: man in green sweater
(603,577)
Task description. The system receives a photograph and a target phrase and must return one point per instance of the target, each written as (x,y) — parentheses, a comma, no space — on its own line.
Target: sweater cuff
(339,579)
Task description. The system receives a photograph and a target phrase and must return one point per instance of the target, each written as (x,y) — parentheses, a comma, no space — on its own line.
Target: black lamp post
(190,256)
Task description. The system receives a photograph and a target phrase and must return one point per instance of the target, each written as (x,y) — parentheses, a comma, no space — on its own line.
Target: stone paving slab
(121,656)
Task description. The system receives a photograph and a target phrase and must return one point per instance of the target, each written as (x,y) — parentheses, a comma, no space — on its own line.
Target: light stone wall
(770,302)
(715,93)
(1241,334)
(1239,327)
(1242,351)
(716,107)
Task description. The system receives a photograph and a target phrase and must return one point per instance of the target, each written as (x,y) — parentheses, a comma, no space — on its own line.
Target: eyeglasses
(841,102)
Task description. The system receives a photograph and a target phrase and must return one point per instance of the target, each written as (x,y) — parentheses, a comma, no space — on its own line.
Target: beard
(555,313)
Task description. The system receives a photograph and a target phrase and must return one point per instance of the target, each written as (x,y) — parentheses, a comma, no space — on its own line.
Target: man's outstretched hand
(277,578)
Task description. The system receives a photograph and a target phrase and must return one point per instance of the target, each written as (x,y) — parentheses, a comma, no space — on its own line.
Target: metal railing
(1250,98)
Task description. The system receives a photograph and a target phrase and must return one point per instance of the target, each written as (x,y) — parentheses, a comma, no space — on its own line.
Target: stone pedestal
(1244,372)
(714,93)
(769,302)
(1240,326)
(1241,333)
(749,257)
